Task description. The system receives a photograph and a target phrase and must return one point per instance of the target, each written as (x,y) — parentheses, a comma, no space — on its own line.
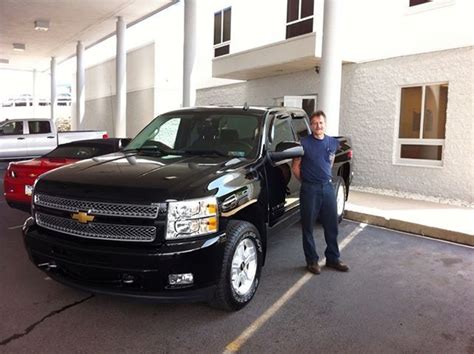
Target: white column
(35,98)
(80,83)
(189,52)
(53,88)
(120,119)
(331,65)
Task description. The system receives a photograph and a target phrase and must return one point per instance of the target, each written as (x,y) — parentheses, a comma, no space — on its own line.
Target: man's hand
(296,167)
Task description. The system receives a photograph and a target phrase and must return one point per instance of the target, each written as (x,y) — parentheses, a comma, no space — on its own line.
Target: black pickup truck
(183,212)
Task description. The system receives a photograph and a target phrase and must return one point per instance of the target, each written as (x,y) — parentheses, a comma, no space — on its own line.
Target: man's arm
(296,167)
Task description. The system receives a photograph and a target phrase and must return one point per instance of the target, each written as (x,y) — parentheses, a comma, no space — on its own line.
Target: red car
(21,176)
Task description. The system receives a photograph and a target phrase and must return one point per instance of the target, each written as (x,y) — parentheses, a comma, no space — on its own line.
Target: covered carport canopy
(88,21)
(37,34)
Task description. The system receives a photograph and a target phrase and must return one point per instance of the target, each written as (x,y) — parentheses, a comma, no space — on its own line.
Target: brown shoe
(314,268)
(338,265)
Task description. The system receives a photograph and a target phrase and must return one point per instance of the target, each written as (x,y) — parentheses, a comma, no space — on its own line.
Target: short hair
(317,114)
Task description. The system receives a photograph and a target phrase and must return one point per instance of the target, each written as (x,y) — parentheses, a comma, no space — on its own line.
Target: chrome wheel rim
(340,199)
(244,267)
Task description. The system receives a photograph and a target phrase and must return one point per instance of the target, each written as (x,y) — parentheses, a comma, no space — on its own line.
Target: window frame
(299,19)
(222,43)
(397,159)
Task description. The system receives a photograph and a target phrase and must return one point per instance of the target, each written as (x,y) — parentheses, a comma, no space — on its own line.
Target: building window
(222,21)
(422,126)
(299,17)
(418,2)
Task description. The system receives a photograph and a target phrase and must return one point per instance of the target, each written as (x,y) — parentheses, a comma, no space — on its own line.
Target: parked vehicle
(64,99)
(183,212)
(24,100)
(33,137)
(21,176)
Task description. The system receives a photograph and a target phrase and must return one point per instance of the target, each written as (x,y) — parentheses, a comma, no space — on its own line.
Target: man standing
(317,196)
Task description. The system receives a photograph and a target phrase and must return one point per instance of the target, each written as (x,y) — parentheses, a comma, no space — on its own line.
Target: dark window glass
(11,128)
(418,2)
(39,127)
(300,127)
(299,28)
(227,17)
(292,13)
(410,113)
(434,121)
(221,51)
(307,8)
(231,135)
(281,131)
(424,152)
(217,27)
(308,106)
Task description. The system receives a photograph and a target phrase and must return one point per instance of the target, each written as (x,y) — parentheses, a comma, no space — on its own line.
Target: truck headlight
(191,218)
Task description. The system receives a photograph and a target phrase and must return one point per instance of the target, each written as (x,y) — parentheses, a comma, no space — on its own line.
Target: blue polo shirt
(318,154)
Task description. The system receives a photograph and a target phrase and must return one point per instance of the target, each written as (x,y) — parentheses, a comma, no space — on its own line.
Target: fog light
(181,279)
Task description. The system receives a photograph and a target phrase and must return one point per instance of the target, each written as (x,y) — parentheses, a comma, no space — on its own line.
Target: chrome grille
(98,208)
(97,231)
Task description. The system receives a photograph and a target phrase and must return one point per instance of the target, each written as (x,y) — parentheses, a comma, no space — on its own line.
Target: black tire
(225,297)
(340,189)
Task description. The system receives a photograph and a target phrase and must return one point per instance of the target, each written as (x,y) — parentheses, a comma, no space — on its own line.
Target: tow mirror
(286,150)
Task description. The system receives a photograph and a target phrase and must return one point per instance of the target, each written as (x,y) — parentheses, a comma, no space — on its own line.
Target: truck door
(283,187)
(41,139)
(12,139)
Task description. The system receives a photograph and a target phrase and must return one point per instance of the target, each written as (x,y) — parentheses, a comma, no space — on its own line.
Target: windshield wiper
(203,152)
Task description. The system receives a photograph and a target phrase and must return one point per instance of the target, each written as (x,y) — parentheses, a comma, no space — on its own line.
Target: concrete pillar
(189,52)
(53,88)
(331,65)
(35,93)
(80,83)
(120,119)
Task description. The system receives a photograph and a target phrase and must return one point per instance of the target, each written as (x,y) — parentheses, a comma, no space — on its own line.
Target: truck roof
(229,109)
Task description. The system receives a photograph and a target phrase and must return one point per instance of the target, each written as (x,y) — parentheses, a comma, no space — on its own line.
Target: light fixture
(4,61)
(41,25)
(19,47)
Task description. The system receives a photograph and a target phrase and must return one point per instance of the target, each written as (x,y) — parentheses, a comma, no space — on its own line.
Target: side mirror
(286,150)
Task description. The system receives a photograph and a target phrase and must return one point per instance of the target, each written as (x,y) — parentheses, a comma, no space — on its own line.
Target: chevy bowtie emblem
(83,217)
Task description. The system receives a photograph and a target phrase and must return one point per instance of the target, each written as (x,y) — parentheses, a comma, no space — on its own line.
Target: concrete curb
(410,227)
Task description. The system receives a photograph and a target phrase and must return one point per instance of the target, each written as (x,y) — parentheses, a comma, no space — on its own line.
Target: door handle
(21,138)
(50,137)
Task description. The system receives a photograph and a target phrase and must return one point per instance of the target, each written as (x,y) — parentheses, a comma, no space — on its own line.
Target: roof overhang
(69,21)
(287,56)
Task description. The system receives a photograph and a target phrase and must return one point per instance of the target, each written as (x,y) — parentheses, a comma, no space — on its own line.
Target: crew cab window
(280,130)
(39,127)
(300,127)
(11,128)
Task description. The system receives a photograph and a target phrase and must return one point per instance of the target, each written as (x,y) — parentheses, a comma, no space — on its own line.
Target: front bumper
(107,267)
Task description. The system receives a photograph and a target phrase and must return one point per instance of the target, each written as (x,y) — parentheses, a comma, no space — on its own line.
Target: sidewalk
(446,222)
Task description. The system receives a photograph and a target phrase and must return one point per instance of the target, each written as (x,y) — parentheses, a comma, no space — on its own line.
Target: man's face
(318,125)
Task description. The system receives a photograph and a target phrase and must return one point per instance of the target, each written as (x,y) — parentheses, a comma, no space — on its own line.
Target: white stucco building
(397,77)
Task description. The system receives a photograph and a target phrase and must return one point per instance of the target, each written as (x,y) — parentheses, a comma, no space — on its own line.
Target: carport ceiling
(70,21)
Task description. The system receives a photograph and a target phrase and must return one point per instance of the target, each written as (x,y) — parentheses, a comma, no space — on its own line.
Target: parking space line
(15,227)
(238,342)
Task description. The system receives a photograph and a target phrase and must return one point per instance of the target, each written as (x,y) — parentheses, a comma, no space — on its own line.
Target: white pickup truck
(33,137)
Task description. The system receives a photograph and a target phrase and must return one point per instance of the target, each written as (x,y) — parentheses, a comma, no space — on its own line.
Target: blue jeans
(319,199)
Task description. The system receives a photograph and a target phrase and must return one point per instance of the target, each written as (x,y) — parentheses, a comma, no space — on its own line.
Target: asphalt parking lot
(403,294)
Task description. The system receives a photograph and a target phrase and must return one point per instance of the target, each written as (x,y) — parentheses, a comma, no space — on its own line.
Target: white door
(12,139)
(308,102)
(40,138)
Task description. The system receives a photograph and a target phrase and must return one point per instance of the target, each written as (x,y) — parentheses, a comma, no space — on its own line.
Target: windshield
(79,152)
(224,134)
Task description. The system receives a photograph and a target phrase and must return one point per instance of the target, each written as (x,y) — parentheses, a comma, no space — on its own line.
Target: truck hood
(134,178)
